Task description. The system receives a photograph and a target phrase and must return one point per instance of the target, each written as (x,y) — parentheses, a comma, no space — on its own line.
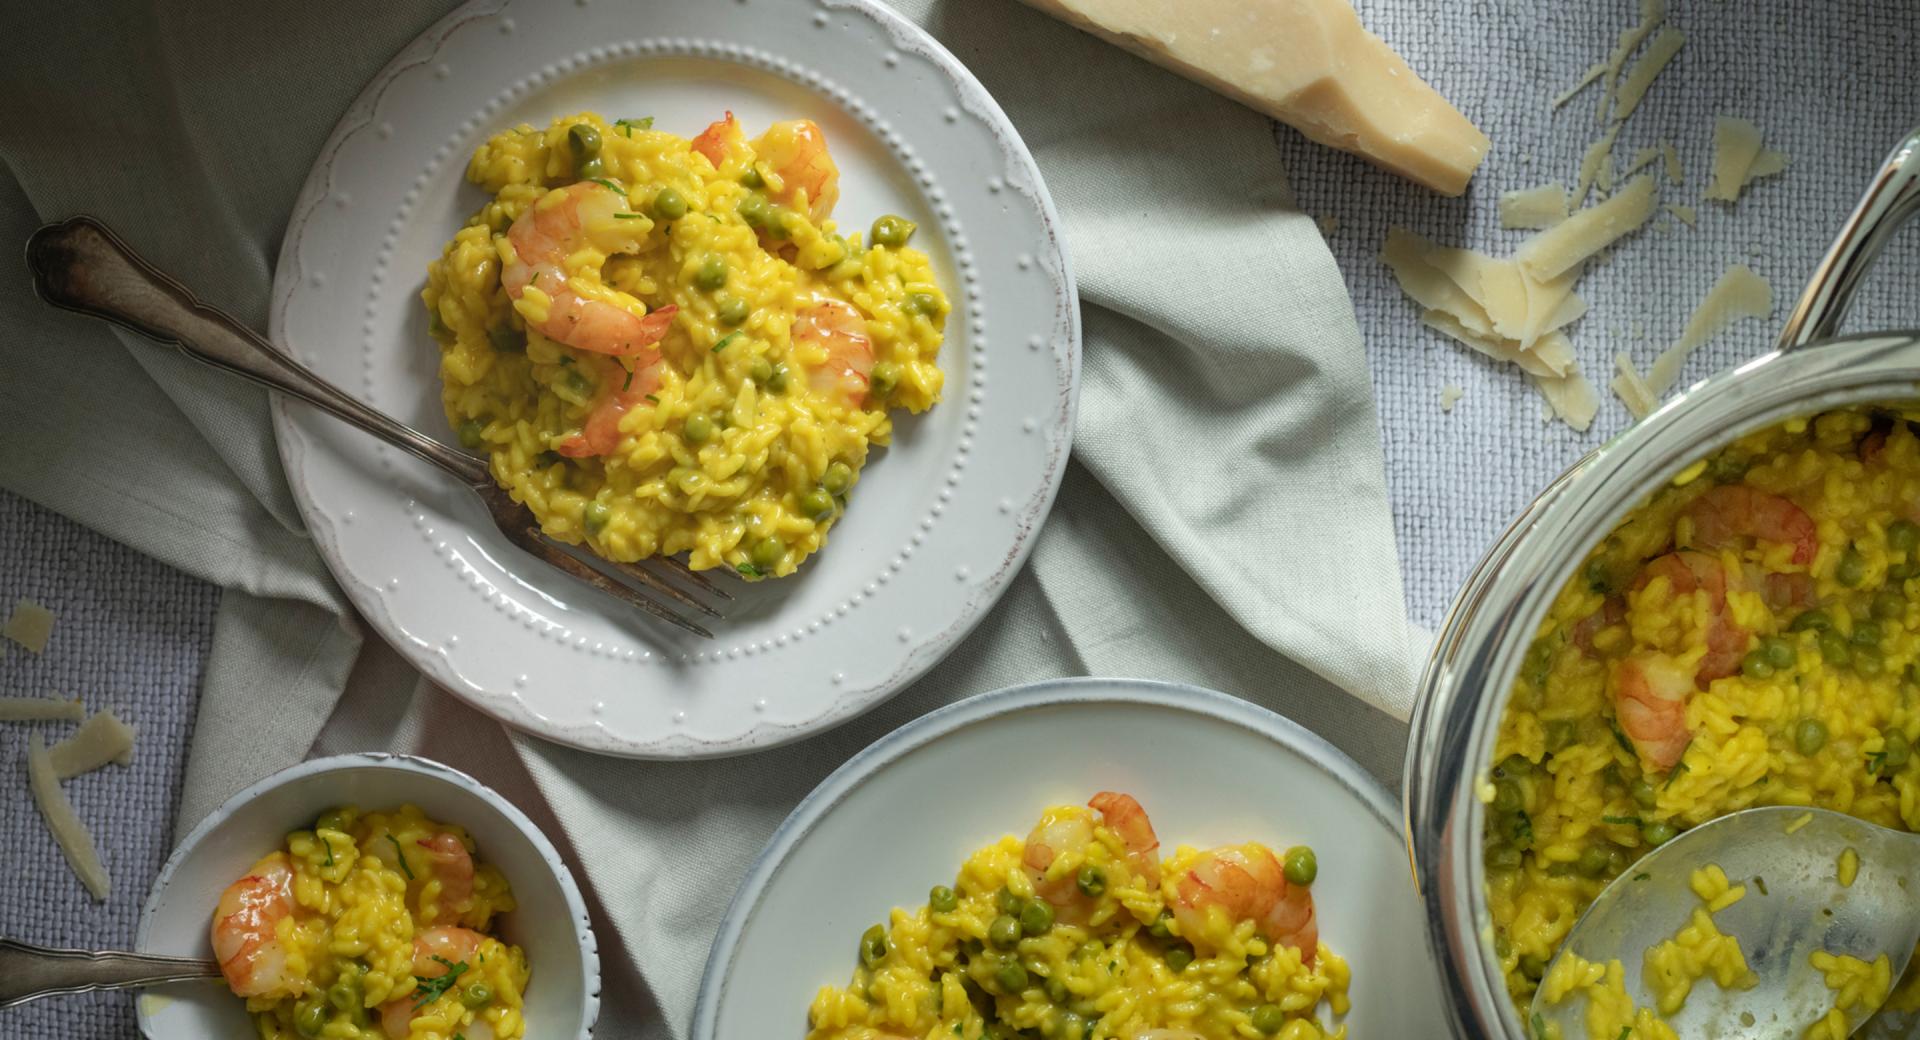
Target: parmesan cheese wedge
(1309,64)
(40,709)
(1534,208)
(30,625)
(103,738)
(1565,246)
(1739,293)
(68,832)
(1632,89)
(1632,388)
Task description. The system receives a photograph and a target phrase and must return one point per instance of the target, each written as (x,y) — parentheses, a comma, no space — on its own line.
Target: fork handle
(30,972)
(80,265)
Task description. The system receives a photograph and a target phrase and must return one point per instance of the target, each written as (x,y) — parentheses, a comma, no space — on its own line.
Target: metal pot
(1486,632)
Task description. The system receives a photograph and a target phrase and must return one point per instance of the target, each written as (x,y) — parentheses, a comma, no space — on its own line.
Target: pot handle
(1892,197)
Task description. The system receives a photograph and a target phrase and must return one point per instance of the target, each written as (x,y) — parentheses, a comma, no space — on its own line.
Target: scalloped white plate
(941,521)
(1210,769)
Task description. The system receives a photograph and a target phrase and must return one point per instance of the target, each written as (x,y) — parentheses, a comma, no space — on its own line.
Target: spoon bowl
(1788,859)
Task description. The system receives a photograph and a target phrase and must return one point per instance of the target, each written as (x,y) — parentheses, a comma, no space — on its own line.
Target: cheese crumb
(31,625)
(1328,224)
(1534,208)
(1450,395)
(1739,293)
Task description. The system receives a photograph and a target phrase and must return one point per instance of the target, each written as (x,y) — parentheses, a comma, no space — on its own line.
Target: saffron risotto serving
(372,925)
(1083,932)
(667,345)
(1746,637)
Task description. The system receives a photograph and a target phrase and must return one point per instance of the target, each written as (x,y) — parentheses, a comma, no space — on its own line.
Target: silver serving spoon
(30,972)
(1794,906)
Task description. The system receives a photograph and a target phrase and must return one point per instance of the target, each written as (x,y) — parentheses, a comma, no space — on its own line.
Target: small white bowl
(563,996)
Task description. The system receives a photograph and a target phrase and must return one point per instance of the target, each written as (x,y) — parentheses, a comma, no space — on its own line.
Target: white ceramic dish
(1210,769)
(563,997)
(942,520)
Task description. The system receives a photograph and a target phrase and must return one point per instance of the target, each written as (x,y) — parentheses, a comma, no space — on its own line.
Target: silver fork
(79,265)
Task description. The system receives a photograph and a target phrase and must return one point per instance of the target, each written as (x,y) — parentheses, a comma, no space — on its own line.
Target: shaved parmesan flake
(1406,253)
(1632,388)
(1498,349)
(40,709)
(1634,87)
(1328,225)
(1685,213)
(101,739)
(1766,164)
(1739,293)
(1591,76)
(1675,174)
(1598,153)
(1738,159)
(30,626)
(1450,395)
(1559,249)
(1534,208)
(1643,158)
(1571,397)
(1663,226)
(1652,13)
(68,832)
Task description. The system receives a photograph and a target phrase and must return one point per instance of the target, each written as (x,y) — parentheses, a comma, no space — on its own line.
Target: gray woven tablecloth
(1831,84)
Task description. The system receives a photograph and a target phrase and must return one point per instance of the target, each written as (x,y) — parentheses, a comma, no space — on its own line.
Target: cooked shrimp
(1246,883)
(1069,832)
(1731,512)
(1784,592)
(1650,693)
(246,933)
(796,153)
(451,864)
(1688,572)
(436,951)
(838,329)
(1613,610)
(600,432)
(720,137)
(562,223)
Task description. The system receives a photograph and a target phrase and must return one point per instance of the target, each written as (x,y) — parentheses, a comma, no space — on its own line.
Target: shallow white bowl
(1210,769)
(563,997)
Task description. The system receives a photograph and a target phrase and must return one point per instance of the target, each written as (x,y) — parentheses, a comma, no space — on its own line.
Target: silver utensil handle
(1892,198)
(29,972)
(80,265)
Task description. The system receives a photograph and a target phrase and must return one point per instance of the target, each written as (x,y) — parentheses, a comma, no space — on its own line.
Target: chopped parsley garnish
(1760,883)
(1621,736)
(325,844)
(652,398)
(1539,1027)
(431,989)
(724,340)
(1629,821)
(627,125)
(398,852)
(628,381)
(629,216)
(1625,1031)
(609,185)
(747,569)
(1642,877)
(1875,761)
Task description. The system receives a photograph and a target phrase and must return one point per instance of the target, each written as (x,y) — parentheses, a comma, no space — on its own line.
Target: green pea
(507,339)
(437,326)
(669,204)
(1008,902)
(816,504)
(891,231)
(1780,653)
(1036,918)
(1560,734)
(310,1019)
(1091,881)
(1268,1019)
(331,820)
(752,179)
(1811,621)
(595,516)
(1012,977)
(1503,857)
(1178,957)
(1728,468)
(1834,649)
(1867,633)
(1162,926)
(1301,866)
(477,996)
(1898,749)
(1868,662)
(873,945)
(1899,573)
(921,303)
(1515,766)
(1532,967)
(344,994)
(754,210)
(470,434)
(1809,736)
(698,428)
(1644,793)
(584,140)
(1004,931)
(1056,990)
(1756,666)
(1594,861)
(1851,569)
(838,478)
(712,273)
(777,382)
(767,552)
(884,377)
(1507,797)
(1903,536)
(1658,833)
(733,312)
(760,370)
(592,169)
(943,900)
(1889,606)
(579,383)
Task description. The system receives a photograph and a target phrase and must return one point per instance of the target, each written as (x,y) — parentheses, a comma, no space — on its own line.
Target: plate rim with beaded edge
(1210,769)
(942,520)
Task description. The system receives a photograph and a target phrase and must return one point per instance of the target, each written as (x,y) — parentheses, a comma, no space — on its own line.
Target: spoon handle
(1891,199)
(29,972)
